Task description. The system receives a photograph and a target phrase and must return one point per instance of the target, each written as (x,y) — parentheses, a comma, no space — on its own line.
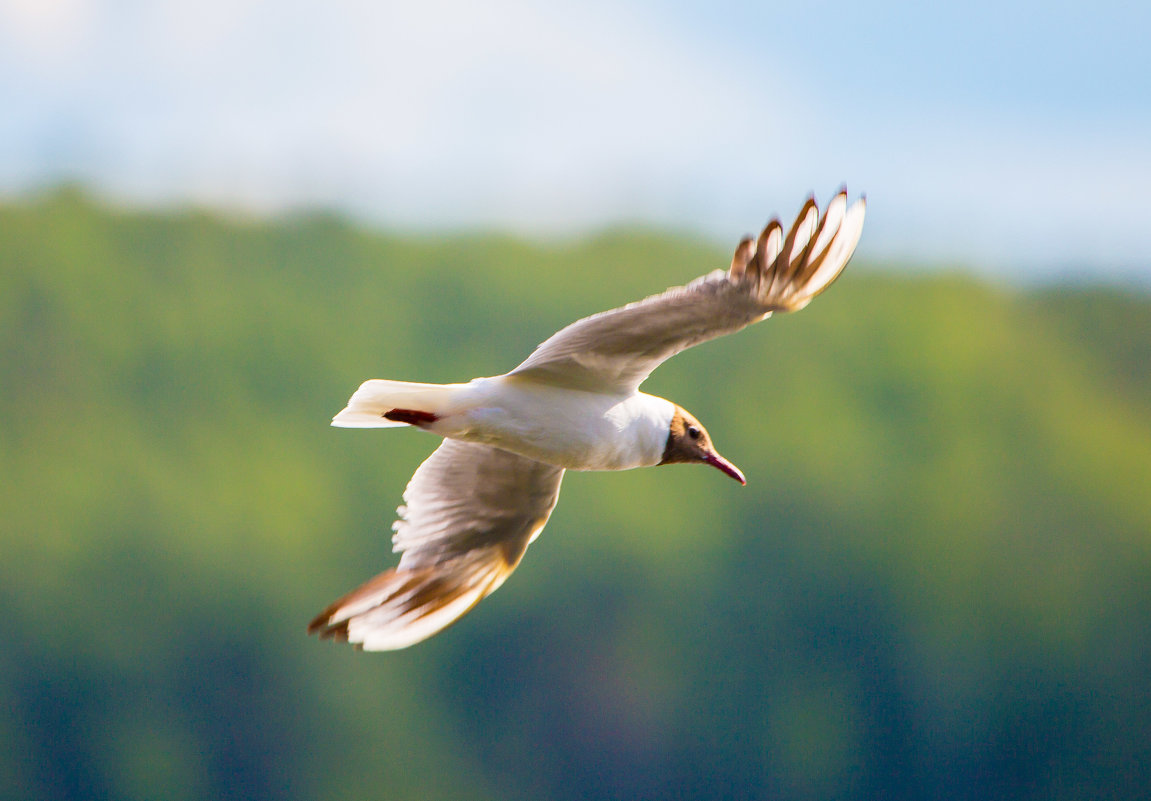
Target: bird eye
(693,432)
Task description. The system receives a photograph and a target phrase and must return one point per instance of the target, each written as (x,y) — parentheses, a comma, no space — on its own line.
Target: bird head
(688,441)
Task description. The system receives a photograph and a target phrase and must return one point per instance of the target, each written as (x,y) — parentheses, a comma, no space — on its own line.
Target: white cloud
(540,118)
(43,31)
(435,97)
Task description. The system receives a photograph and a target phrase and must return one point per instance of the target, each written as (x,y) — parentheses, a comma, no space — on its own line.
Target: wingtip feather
(744,252)
(401,607)
(794,269)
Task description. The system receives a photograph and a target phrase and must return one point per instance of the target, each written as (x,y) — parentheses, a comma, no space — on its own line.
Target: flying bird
(473,507)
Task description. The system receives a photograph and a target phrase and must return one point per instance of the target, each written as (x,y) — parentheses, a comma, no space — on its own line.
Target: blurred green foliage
(937,585)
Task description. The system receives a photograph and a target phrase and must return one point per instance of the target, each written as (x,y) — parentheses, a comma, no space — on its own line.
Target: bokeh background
(217,218)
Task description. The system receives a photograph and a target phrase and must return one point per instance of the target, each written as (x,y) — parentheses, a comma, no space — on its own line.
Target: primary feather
(620,348)
(470,512)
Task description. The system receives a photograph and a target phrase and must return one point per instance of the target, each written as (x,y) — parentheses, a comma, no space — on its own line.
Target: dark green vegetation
(937,585)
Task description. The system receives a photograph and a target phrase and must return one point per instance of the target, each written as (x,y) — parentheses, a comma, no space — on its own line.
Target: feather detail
(616,350)
(786,276)
(469,514)
(401,607)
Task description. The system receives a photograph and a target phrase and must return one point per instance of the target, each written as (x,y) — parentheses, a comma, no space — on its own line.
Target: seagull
(473,507)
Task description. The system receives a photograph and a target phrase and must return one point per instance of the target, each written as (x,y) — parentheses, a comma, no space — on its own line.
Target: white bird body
(570,428)
(473,507)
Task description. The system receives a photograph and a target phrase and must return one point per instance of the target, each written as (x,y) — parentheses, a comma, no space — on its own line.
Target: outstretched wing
(470,513)
(618,349)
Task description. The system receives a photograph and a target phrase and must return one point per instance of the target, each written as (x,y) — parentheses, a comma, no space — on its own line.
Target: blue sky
(1009,137)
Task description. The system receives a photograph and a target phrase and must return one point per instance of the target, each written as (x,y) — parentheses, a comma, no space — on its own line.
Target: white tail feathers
(376,397)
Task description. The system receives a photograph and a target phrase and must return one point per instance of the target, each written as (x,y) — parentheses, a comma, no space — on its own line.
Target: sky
(1011,138)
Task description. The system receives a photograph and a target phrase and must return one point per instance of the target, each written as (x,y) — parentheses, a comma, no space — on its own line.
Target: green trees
(935,584)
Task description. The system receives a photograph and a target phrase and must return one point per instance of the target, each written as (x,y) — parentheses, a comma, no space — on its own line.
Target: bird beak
(717,461)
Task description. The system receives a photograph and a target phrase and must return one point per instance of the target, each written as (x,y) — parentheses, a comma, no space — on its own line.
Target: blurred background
(217,218)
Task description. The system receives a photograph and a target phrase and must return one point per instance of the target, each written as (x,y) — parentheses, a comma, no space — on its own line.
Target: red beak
(717,461)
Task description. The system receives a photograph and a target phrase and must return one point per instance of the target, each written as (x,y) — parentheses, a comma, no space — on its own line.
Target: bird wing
(618,349)
(470,512)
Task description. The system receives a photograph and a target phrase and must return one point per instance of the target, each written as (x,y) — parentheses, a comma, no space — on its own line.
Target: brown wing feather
(618,349)
(470,513)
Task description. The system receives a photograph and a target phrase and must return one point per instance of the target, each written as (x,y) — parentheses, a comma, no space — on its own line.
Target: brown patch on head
(687,439)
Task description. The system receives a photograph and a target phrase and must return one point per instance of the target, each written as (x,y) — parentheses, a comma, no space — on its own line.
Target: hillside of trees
(937,583)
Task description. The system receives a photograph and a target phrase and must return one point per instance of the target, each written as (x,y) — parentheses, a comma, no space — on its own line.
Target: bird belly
(568,428)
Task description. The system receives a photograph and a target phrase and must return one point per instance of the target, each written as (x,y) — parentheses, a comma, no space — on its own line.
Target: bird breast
(570,428)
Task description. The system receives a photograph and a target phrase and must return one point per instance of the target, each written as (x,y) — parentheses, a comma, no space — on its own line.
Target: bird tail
(380,403)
